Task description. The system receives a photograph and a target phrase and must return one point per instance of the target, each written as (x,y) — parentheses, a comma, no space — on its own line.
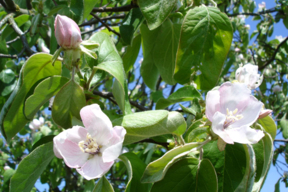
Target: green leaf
(131,54)
(147,124)
(31,167)
(42,93)
(240,177)
(156,170)
(186,93)
(103,185)
(194,109)
(110,61)
(156,11)
(42,141)
(130,25)
(8,174)
(195,132)
(7,76)
(188,174)
(284,126)
(148,70)
(77,8)
(36,68)
(67,103)
(277,185)
(205,40)
(135,168)
(88,7)
(269,125)
(263,152)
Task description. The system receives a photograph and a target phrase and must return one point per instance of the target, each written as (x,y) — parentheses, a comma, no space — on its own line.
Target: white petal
(94,168)
(114,148)
(212,103)
(245,135)
(97,123)
(42,120)
(218,127)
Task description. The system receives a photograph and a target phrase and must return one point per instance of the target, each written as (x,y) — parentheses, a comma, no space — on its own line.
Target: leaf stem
(73,73)
(91,77)
(214,3)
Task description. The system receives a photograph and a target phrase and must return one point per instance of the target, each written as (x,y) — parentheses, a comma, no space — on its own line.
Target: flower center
(231,117)
(89,145)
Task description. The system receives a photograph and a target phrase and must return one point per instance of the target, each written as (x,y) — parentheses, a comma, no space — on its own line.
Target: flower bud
(67,32)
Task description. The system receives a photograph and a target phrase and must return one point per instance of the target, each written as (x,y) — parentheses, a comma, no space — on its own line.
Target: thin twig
(281,140)
(272,10)
(91,22)
(274,55)
(106,25)
(114,9)
(8,56)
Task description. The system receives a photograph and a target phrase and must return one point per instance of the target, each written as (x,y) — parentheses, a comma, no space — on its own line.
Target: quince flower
(67,32)
(248,74)
(36,124)
(232,110)
(91,150)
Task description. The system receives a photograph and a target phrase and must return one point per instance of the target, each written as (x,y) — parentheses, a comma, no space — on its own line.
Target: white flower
(241,56)
(247,26)
(276,89)
(280,38)
(6,167)
(91,150)
(237,49)
(36,124)
(248,74)
(262,6)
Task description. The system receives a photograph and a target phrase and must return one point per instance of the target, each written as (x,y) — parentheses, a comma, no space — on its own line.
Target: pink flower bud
(67,32)
(264,113)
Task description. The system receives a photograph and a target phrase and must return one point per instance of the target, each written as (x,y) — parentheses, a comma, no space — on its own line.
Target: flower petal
(97,123)
(250,113)
(264,113)
(218,127)
(233,95)
(245,135)
(212,103)
(114,148)
(94,168)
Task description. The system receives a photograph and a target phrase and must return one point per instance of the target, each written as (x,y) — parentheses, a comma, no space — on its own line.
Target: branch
(114,9)
(272,10)
(91,22)
(109,96)
(8,56)
(274,55)
(164,144)
(281,140)
(105,24)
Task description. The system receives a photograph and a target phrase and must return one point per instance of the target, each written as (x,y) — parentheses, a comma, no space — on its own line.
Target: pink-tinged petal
(212,103)
(264,113)
(94,168)
(218,127)
(250,113)
(97,123)
(71,153)
(114,148)
(245,135)
(67,32)
(233,95)
(57,153)
(76,134)
(42,120)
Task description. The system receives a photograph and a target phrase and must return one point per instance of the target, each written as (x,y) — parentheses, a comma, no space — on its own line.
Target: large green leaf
(186,93)
(156,11)
(147,124)
(67,103)
(159,48)
(205,40)
(131,54)
(156,170)
(103,185)
(135,168)
(36,68)
(88,7)
(269,125)
(130,25)
(284,126)
(110,61)
(42,93)
(263,152)
(31,167)
(188,174)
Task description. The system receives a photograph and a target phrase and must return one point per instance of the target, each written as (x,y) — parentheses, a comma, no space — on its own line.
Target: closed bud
(67,32)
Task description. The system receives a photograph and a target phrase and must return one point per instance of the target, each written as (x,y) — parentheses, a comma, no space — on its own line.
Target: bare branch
(8,56)
(106,25)
(114,9)
(272,10)
(91,22)
(281,140)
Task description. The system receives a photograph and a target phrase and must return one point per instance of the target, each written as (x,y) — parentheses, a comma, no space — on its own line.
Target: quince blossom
(91,150)
(67,32)
(36,124)
(248,74)
(232,110)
